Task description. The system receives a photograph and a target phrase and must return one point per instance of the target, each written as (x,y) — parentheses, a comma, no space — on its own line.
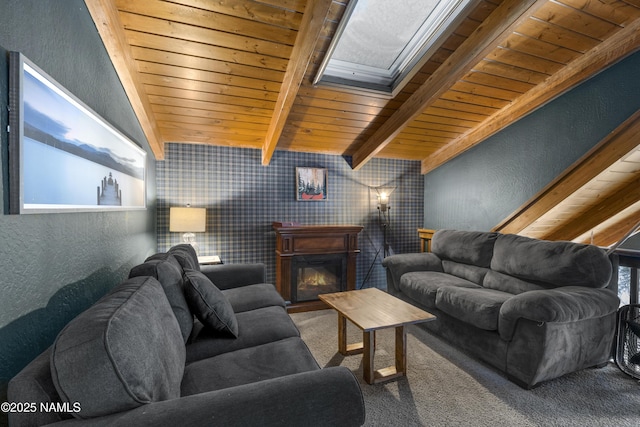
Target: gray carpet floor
(445,387)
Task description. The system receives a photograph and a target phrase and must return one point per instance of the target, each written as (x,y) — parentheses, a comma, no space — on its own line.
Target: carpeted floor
(445,387)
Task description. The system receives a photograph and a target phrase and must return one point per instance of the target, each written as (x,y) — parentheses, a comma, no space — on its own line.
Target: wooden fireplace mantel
(295,239)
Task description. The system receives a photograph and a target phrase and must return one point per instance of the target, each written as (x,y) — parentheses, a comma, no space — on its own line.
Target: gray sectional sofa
(139,357)
(534,309)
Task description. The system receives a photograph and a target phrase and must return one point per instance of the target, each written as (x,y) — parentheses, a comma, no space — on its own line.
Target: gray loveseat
(139,358)
(534,309)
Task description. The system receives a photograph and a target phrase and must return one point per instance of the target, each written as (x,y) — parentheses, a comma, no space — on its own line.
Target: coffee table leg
(369,339)
(371,375)
(344,348)
(342,334)
(401,351)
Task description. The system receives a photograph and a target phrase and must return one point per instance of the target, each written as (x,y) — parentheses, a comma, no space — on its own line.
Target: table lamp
(188,220)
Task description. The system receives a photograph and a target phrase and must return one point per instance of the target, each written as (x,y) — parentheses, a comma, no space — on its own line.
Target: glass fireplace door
(313,275)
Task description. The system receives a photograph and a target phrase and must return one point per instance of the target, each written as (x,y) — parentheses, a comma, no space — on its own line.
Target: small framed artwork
(64,157)
(311,184)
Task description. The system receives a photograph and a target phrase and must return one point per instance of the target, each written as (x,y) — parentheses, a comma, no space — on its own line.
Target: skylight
(379,43)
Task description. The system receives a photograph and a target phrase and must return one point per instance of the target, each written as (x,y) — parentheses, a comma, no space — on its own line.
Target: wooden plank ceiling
(238,73)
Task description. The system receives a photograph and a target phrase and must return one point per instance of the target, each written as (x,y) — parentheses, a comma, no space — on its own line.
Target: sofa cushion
(506,283)
(227,276)
(400,264)
(422,286)
(34,384)
(248,366)
(255,327)
(209,304)
(167,270)
(551,264)
(467,247)
(478,307)
(124,351)
(471,273)
(186,256)
(250,297)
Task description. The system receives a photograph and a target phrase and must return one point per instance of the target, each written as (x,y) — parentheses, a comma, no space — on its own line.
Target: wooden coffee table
(372,309)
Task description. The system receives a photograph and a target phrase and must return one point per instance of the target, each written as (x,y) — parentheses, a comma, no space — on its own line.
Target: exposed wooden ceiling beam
(614,228)
(618,143)
(313,20)
(105,16)
(620,45)
(610,206)
(483,40)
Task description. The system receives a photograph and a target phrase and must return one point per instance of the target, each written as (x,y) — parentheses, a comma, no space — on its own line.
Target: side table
(210,259)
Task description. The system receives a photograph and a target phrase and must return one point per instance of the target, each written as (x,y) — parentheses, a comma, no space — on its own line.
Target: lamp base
(190,238)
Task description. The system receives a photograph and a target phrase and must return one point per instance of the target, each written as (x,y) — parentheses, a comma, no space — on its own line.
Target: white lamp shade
(384,194)
(187,220)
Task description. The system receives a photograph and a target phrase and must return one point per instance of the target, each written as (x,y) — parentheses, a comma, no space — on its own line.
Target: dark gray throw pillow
(123,352)
(209,304)
(168,271)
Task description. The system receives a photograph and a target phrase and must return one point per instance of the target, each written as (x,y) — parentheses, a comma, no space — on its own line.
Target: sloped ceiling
(238,73)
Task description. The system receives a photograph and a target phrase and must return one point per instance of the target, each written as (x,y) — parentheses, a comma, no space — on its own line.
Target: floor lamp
(384,215)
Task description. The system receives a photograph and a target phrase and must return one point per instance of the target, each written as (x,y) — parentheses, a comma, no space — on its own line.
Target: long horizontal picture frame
(64,157)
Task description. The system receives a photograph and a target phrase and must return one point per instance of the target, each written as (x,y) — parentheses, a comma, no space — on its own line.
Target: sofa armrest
(561,305)
(397,265)
(227,276)
(326,397)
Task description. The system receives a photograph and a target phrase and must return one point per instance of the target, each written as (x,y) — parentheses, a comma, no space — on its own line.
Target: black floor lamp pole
(385,221)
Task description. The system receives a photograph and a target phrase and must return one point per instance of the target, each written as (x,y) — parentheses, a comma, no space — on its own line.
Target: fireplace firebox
(313,275)
(313,260)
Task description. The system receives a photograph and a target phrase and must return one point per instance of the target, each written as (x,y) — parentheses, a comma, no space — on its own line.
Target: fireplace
(313,275)
(314,260)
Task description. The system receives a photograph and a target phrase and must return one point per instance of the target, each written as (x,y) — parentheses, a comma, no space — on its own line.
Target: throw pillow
(123,352)
(167,270)
(209,304)
(186,256)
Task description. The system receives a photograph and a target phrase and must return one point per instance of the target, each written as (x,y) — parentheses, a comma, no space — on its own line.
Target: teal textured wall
(53,266)
(478,189)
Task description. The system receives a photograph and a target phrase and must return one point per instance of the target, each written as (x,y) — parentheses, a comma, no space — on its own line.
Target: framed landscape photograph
(311,184)
(64,157)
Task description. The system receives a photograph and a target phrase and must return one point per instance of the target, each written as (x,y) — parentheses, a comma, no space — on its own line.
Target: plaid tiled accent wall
(243,198)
